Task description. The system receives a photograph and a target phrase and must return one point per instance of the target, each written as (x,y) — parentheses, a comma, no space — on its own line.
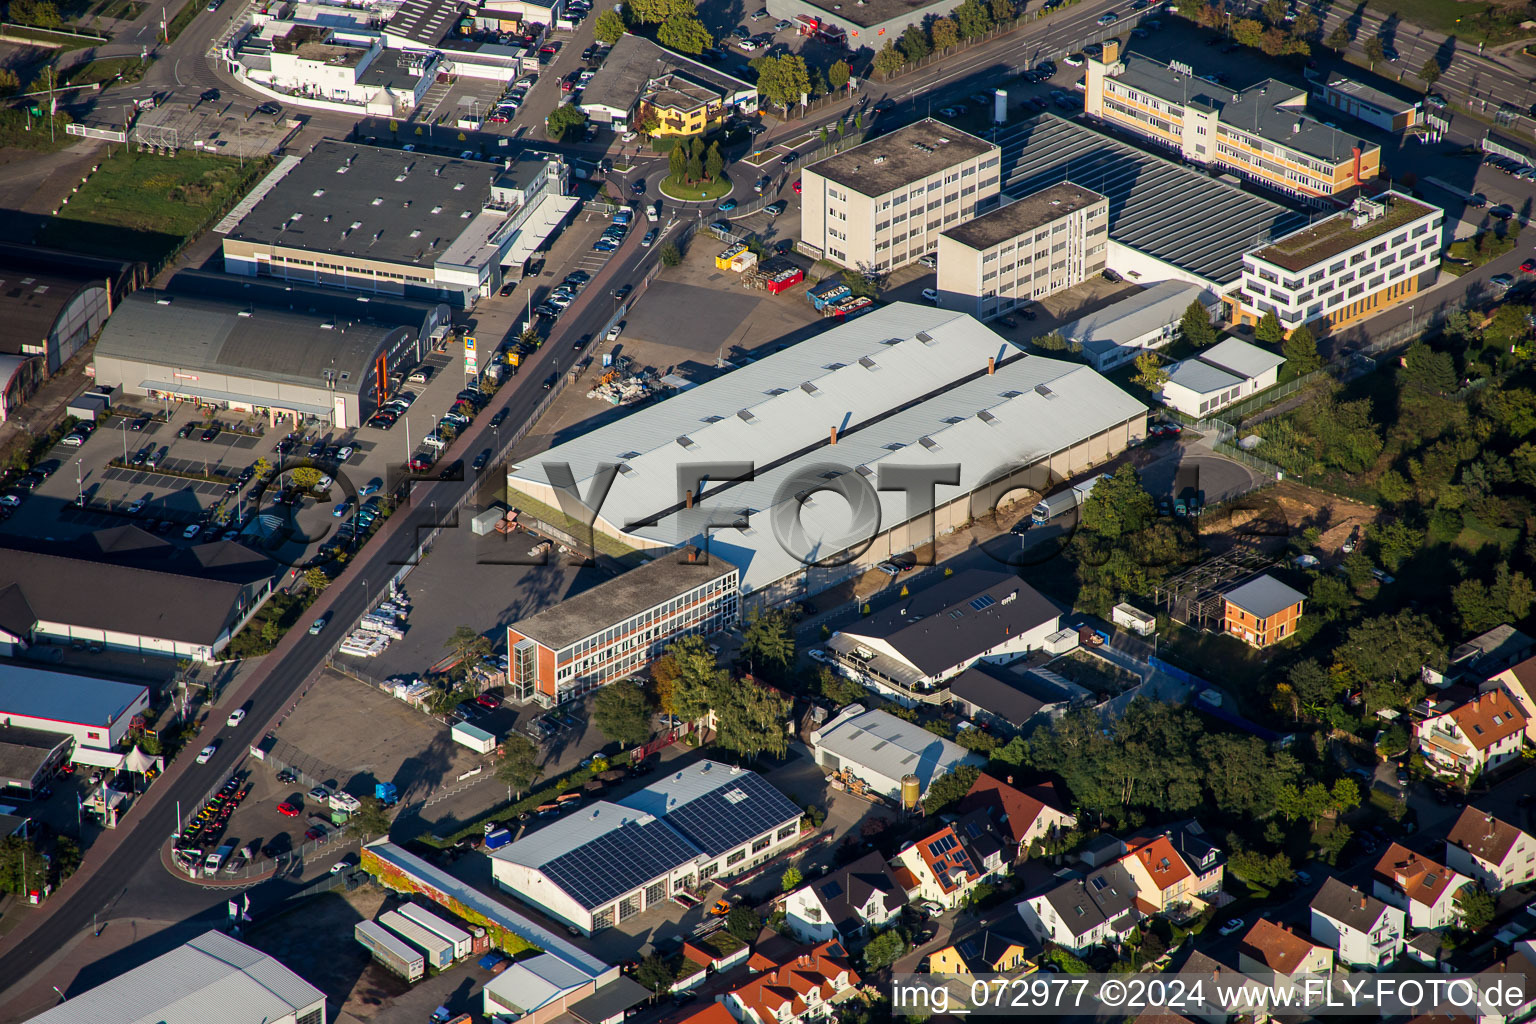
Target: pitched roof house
(1262,611)
(1363,931)
(802,989)
(1023,813)
(1084,912)
(1272,948)
(1176,869)
(1494,852)
(1477,735)
(846,902)
(1005,948)
(1414,883)
(942,868)
(1519,681)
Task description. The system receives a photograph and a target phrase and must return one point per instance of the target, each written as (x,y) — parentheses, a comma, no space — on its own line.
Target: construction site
(619,385)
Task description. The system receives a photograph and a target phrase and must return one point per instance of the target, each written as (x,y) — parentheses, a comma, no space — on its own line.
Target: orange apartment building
(1261,133)
(619,627)
(1262,611)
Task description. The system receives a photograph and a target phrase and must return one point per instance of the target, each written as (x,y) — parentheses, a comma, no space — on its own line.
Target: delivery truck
(1063,501)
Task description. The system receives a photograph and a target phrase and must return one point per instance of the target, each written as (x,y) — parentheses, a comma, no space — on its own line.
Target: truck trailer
(390,950)
(438,950)
(463,942)
(1063,501)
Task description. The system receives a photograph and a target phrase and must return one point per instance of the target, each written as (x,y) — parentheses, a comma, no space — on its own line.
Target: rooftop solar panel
(718,825)
(618,862)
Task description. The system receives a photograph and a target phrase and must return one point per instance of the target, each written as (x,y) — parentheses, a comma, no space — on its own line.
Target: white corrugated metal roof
(535,982)
(1202,378)
(211,978)
(1241,358)
(570,832)
(1148,310)
(914,402)
(883,743)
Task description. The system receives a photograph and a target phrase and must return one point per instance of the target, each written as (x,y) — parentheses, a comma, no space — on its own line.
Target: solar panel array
(1156,206)
(716,823)
(618,862)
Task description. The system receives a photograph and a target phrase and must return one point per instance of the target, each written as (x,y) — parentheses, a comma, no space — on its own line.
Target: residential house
(938,868)
(1166,883)
(1222,374)
(1516,972)
(1478,735)
(1004,948)
(1201,965)
(1262,611)
(1363,931)
(1271,948)
(1519,681)
(846,903)
(1025,814)
(1414,883)
(1082,913)
(804,989)
(1492,851)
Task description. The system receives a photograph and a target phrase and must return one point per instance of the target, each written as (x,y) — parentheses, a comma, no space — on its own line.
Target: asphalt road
(118,857)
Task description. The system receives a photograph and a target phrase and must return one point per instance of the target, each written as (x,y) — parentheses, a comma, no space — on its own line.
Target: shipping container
(463,942)
(439,950)
(391,951)
(478,740)
(497,838)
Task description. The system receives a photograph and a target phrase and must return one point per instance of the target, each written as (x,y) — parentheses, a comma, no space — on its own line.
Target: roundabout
(697,191)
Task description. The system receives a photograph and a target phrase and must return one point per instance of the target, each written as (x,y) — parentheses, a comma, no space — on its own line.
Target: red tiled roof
(1416,876)
(1489,718)
(947,859)
(1162,862)
(1020,807)
(1483,835)
(714,1013)
(790,984)
(1279,949)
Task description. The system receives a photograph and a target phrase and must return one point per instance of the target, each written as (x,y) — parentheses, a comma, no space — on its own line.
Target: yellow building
(1262,133)
(1001,949)
(640,80)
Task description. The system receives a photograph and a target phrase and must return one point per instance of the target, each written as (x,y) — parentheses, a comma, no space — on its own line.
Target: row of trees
(966,23)
(690,162)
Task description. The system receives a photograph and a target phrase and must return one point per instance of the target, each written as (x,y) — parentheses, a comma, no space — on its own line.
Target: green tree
(371,819)
(649,123)
(305,478)
(685,33)
(972,19)
(677,162)
(840,690)
(783,80)
(888,61)
(1269,330)
(655,12)
(714,163)
(749,719)
(838,75)
(518,765)
(1149,372)
(1274,11)
(1002,10)
(671,256)
(654,974)
(40,13)
(695,171)
(1051,341)
(316,580)
(623,714)
(769,640)
(884,949)
(468,646)
(22,867)
(791,879)
(1374,51)
(913,44)
(1339,39)
(9,82)
(744,923)
(1306,24)
(609,27)
(944,33)
(1195,325)
(1430,73)
(698,676)
(567,119)
(949,788)
(1248,32)
(1267,870)
(1300,350)
(1477,907)
(1383,656)
(1482,606)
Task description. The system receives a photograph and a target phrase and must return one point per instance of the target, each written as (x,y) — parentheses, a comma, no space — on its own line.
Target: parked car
(1232,927)
(726,206)
(288,810)
(776,208)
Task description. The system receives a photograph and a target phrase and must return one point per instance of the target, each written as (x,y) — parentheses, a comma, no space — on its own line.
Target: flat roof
(1150,309)
(610,1001)
(1241,357)
(1036,209)
(392,67)
(1328,237)
(65,697)
(615,600)
(1272,110)
(424,21)
(23,752)
(889,745)
(873,12)
(1372,95)
(31,302)
(244,339)
(907,383)
(213,977)
(635,60)
(910,153)
(1173,213)
(407,207)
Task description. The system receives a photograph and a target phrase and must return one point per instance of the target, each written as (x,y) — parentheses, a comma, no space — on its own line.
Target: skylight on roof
(810,389)
(868,363)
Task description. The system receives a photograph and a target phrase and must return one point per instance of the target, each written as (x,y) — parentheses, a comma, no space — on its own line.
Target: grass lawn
(141,206)
(131,68)
(13,131)
(1476,535)
(1478,22)
(697,191)
(183,19)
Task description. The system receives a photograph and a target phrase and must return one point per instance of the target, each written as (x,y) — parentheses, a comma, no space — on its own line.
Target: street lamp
(1410,318)
(79,485)
(122,428)
(365,597)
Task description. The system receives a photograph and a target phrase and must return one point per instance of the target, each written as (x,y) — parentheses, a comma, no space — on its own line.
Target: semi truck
(1063,501)
(1188,498)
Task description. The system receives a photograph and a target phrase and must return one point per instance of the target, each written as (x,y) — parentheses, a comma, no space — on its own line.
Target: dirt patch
(1305,507)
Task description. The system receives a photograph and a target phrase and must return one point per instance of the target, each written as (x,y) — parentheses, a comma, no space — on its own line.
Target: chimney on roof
(1010,780)
(693,554)
(991,365)
(688,500)
(834,433)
